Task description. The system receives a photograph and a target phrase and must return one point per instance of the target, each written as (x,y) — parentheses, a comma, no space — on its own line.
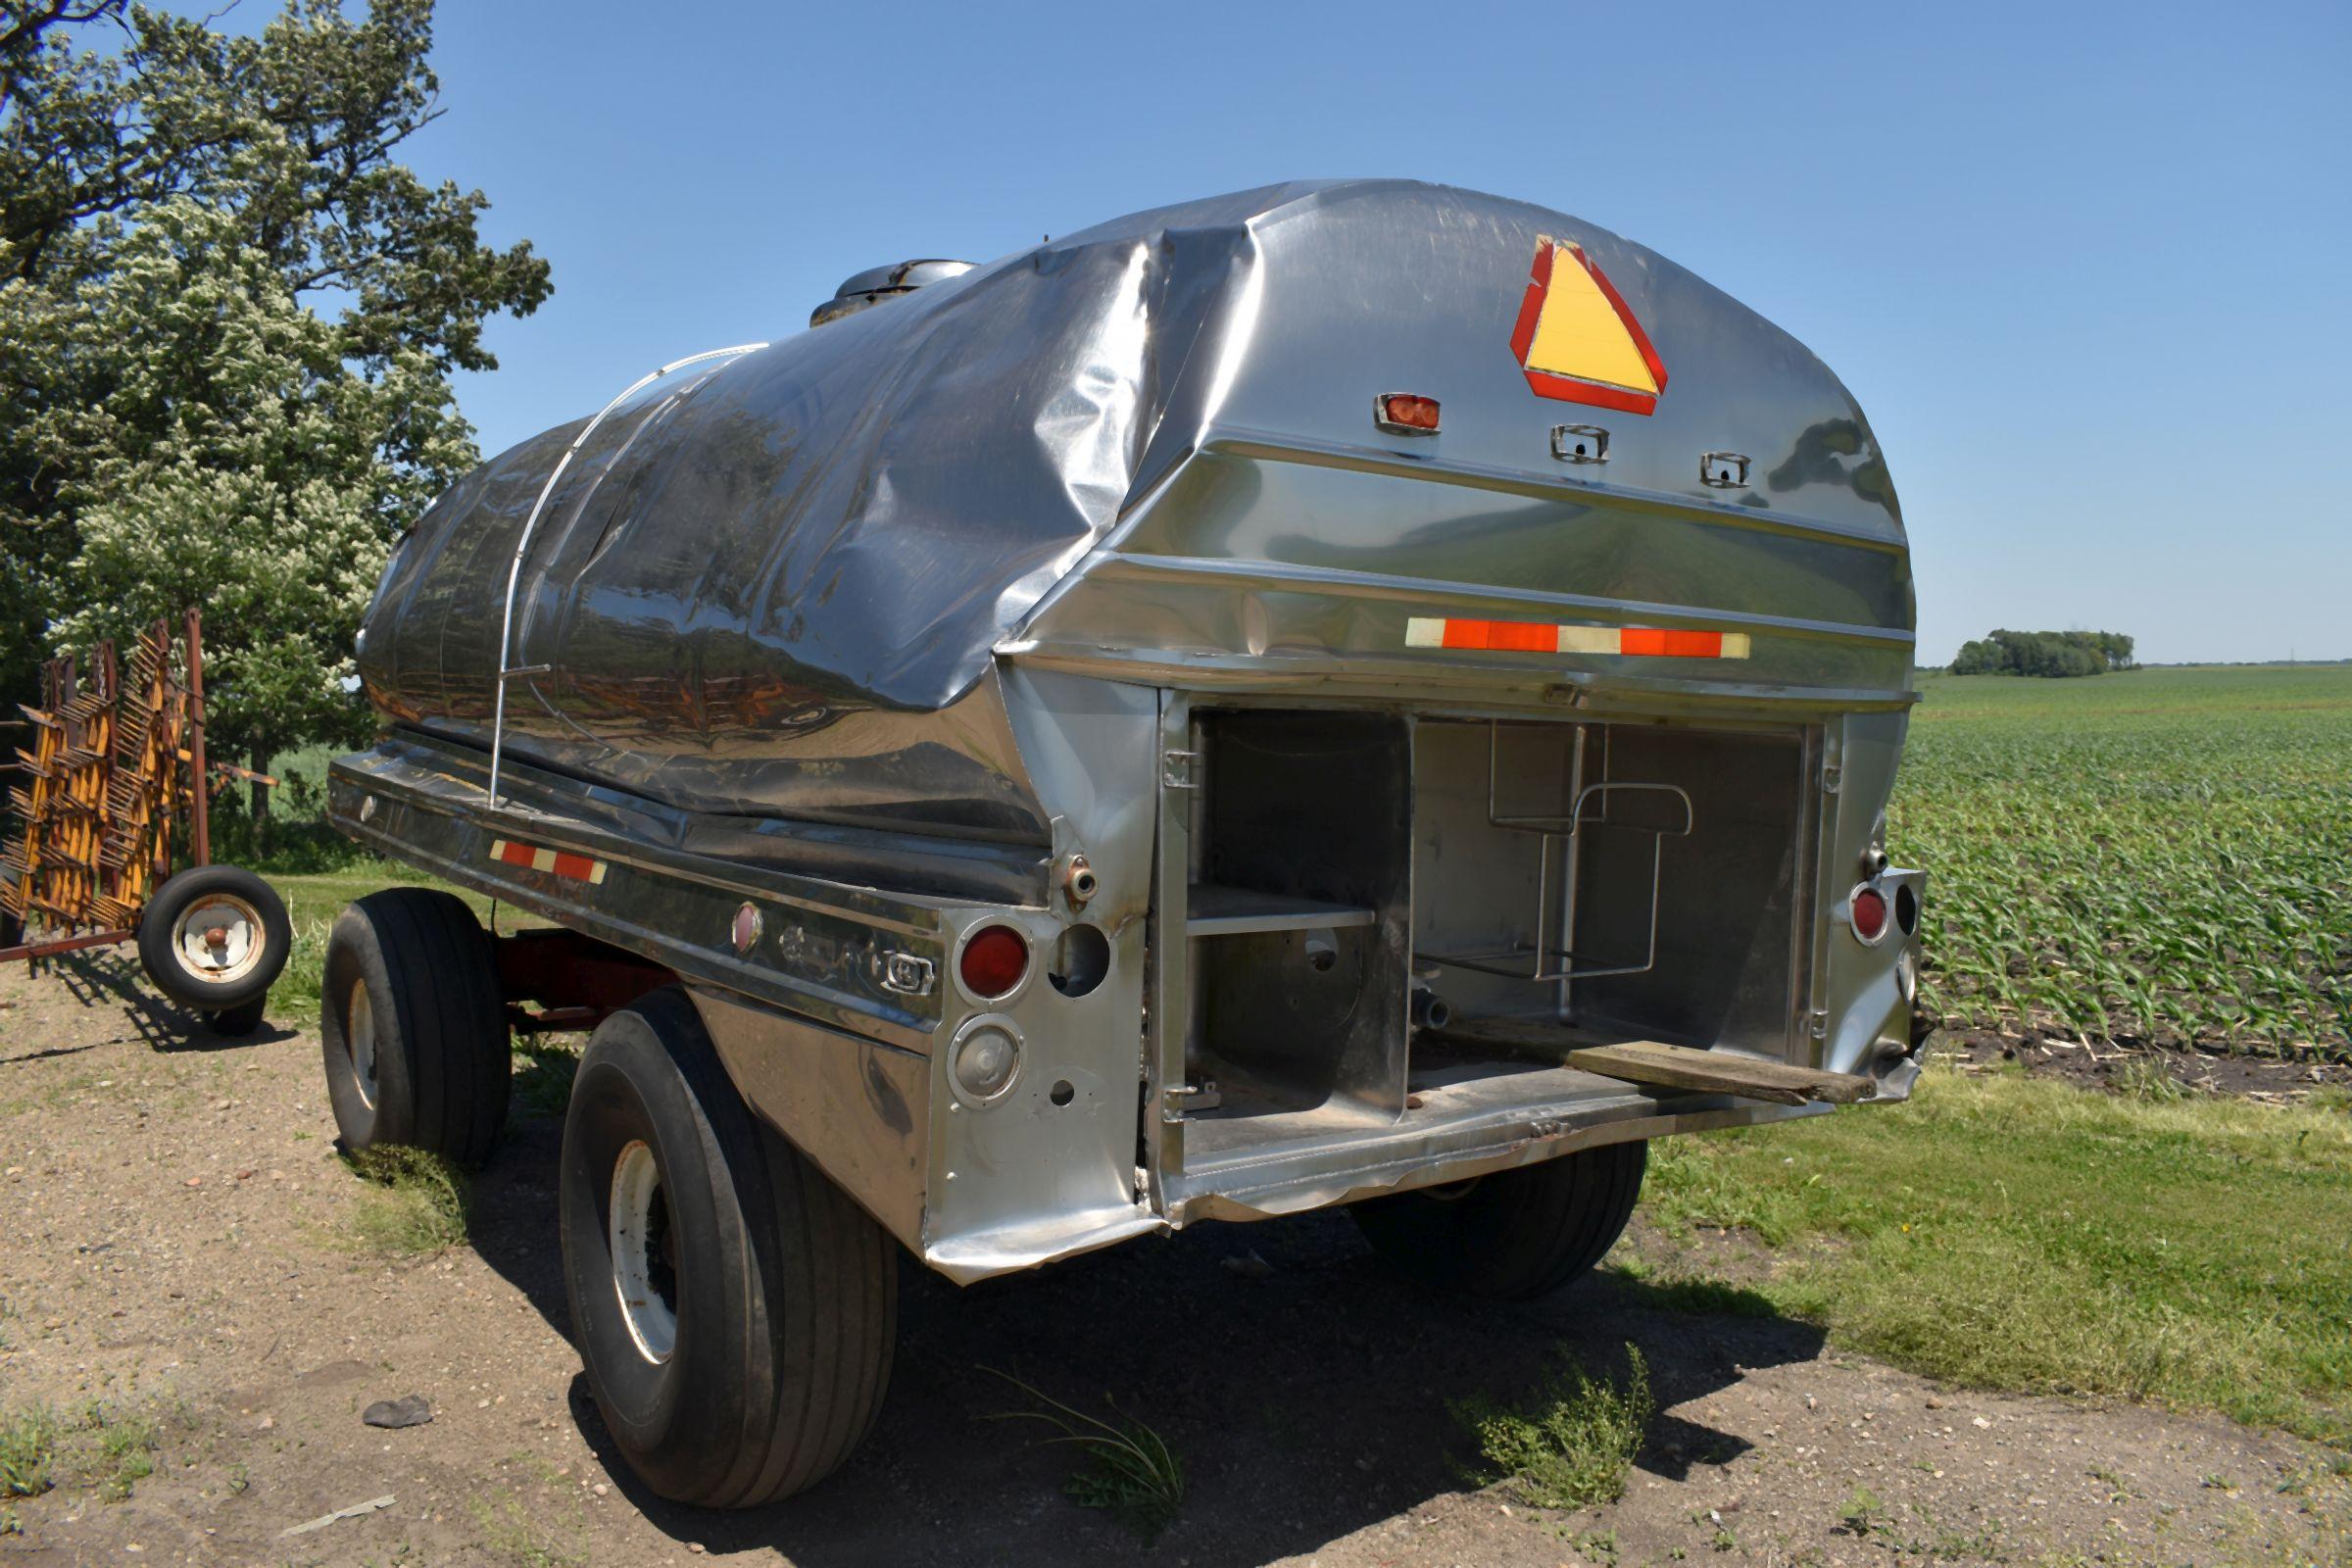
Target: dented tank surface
(779,585)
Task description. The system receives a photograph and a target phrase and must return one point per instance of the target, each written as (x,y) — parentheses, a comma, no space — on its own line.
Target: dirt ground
(2088,1064)
(177,1240)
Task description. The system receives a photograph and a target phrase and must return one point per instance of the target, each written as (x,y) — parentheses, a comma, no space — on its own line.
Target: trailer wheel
(414,1027)
(214,938)
(1515,1235)
(734,1308)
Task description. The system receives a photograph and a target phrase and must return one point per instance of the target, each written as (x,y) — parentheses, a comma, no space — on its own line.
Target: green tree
(228,320)
(2044,652)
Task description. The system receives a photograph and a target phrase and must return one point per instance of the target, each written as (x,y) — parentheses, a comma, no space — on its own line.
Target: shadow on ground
(1306,1402)
(110,978)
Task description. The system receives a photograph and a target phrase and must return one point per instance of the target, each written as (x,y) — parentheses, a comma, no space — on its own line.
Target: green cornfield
(2162,855)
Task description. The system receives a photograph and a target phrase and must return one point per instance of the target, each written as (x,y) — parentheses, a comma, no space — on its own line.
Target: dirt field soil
(178,1243)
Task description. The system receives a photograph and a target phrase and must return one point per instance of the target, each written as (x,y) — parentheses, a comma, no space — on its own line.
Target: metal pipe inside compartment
(1563,1004)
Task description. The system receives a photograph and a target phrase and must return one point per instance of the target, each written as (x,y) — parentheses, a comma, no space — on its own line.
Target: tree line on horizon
(2048,654)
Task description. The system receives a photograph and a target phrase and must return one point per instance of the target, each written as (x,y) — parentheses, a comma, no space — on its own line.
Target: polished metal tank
(788,585)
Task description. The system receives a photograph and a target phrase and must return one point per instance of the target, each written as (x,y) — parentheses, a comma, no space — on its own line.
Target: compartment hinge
(1183,1097)
(1180,771)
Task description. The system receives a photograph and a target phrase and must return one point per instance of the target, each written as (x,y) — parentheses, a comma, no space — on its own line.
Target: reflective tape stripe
(1531,637)
(555,862)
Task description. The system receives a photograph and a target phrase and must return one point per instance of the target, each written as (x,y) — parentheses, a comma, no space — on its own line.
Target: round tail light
(1867,909)
(995,959)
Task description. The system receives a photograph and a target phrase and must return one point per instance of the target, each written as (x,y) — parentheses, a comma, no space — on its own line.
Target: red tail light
(1405,414)
(995,958)
(1867,909)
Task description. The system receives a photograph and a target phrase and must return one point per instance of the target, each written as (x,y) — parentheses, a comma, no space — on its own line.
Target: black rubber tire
(184,892)
(235,1023)
(1515,1235)
(438,1021)
(785,1293)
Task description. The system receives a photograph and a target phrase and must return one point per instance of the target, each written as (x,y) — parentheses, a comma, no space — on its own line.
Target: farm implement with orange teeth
(114,779)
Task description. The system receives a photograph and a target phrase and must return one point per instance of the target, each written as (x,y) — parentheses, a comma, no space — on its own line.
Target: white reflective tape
(1589,639)
(1735,645)
(1422,631)
(543,860)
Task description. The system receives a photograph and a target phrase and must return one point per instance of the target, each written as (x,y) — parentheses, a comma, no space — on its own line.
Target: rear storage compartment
(1388,914)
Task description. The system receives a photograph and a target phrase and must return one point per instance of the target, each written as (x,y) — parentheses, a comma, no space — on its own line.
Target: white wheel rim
(358,1037)
(219,939)
(637,1214)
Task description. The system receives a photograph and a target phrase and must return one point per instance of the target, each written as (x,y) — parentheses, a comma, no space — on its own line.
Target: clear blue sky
(2085,265)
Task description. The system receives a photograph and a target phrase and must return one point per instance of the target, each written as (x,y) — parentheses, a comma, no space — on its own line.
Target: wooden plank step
(1654,1062)
(1650,1061)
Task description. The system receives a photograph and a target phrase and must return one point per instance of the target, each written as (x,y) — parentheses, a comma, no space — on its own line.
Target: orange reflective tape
(1694,644)
(557,862)
(1464,634)
(1521,638)
(1529,637)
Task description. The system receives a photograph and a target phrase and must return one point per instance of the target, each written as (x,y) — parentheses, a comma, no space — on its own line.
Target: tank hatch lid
(878,283)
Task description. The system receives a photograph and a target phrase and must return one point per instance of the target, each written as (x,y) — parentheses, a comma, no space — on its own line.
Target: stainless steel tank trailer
(1354,693)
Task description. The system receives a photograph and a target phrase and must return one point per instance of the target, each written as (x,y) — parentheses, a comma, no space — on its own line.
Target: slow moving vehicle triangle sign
(1577,340)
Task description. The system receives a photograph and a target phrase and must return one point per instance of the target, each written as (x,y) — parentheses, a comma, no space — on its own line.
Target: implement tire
(412,1026)
(235,1023)
(735,1309)
(1515,1235)
(195,905)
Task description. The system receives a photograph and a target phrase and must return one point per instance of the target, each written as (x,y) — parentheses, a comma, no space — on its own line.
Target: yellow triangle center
(1581,334)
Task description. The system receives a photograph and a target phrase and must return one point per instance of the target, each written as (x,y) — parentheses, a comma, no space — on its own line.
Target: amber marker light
(1405,414)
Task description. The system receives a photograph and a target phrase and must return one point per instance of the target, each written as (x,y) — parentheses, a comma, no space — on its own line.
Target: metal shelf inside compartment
(1215,910)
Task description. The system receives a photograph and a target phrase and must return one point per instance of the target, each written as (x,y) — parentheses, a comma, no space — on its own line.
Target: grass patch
(1571,1445)
(121,1452)
(1130,1469)
(522,1535)
(104,1449)
(2147,1078)
(1700,1297)
(544,1068)
(415,1206)
(2011,1233)
(312,901)
(1861,1512)
(27,1441)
